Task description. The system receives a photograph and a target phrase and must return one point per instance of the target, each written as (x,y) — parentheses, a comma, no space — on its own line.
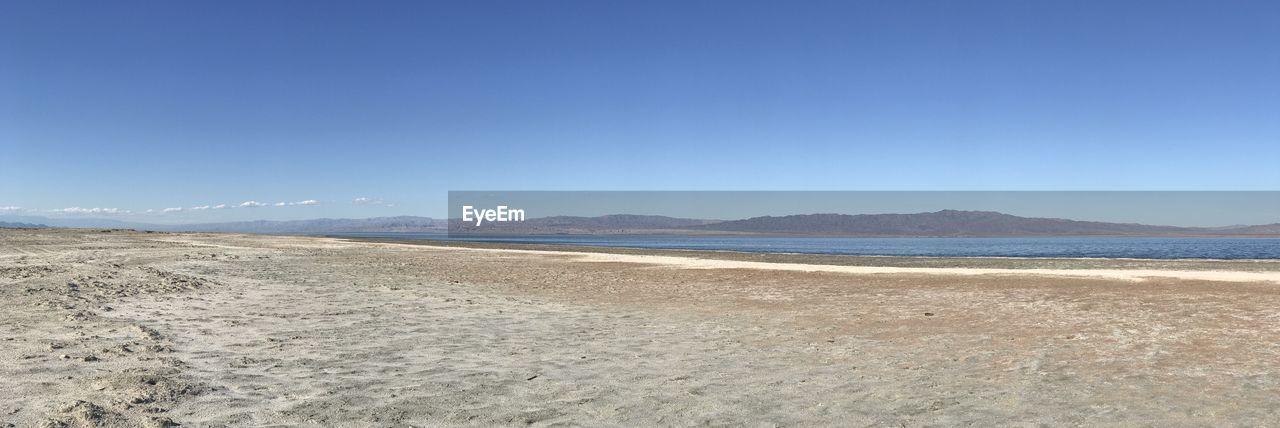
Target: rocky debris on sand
(172,281)
(147,332)
(164,386)
(26,272)
(161,422)
(84,411)
(84,414)
(54,423)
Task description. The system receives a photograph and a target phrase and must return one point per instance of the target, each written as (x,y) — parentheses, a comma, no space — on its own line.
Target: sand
(135,329)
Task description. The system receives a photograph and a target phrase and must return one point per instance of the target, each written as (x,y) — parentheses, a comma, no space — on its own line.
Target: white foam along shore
(700,263)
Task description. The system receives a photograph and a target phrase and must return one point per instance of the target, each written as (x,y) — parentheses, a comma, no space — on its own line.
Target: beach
(125,328)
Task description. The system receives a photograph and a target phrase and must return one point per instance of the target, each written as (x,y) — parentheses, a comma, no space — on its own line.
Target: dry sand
(128,329)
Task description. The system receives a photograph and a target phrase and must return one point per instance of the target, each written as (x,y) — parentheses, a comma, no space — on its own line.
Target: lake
(1096,247)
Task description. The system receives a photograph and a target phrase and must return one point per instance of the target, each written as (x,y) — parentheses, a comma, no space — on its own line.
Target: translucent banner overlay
(866,213)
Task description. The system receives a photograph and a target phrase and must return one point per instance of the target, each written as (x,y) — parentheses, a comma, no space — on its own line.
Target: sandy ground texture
(117,328)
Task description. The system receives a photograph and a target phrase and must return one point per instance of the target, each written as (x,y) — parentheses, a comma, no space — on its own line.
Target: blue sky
(150,105)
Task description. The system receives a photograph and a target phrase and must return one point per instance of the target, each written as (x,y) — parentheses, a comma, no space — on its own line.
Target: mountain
(323,225)
(72,222)
(613,223)
(1262,229)
(16,225)
(941,223)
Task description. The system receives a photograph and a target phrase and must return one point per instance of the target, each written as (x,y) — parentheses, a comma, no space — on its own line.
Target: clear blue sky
(153,105)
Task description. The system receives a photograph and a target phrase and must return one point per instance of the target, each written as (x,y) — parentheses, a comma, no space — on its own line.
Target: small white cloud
(81,211)
(172,210)
(368,201)
(219,206)
(10,209)
(252,204)
(310,201)
(149,211)
(200,208)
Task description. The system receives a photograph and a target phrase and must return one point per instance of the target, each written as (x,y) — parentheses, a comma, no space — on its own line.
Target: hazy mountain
(614,223)
(16,225)
(1263,229)
(941,223)
(71,222)
(323,225)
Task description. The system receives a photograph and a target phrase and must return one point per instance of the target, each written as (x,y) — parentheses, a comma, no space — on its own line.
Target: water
(1095,247)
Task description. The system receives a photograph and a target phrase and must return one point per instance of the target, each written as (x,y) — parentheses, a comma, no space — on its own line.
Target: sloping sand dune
(133,329)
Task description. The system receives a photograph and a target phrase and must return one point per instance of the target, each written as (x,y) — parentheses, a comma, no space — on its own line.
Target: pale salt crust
(697,263)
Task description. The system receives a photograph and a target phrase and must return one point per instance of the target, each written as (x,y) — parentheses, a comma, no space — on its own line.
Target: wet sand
(127,329)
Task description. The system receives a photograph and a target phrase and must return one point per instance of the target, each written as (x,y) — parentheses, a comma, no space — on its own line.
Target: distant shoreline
(830,235)
(1252,265)
(674,232)
(940,224)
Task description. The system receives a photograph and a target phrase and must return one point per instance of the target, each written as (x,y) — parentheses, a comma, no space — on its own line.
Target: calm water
(1102,247)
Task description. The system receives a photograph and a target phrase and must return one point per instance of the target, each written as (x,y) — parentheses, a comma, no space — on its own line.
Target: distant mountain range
(1263,229)
(17,225)
(315,226)
(323,225)
(940,223)
(614,223)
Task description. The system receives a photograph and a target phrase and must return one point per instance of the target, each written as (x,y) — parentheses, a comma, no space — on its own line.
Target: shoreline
(686,262)
(678,233)
(962,262)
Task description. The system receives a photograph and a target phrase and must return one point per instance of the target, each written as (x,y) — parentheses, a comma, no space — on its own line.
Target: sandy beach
(123,328)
